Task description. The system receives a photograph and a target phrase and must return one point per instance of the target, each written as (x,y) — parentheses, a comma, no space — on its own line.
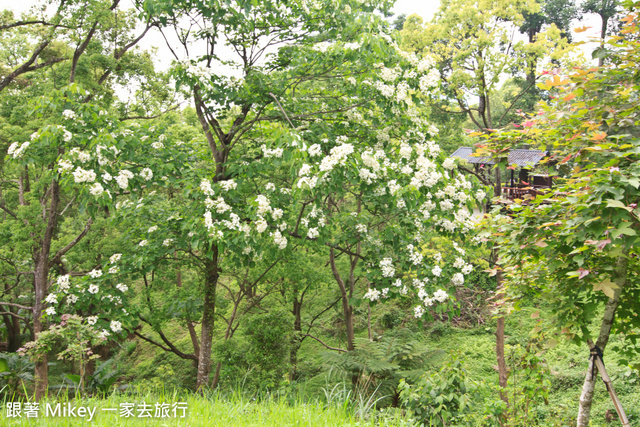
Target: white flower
(93,289)
(167,242)
(440,295)
(449,163)
(304,170)
(279,240)
(276,214)
(157,145)
(263,204)
(106,177)
(50,311)
(115,326)
(152,229)
(313,233)
(114,270)
(314,150)
(457,279)
(66,135)
(142,243)
(228,185)
(91,320)
(104,334)
(361,228)
(205,186)
(72,298)
(467,269)
(261,225)
(123,178)
(115,258)
(69,114)
(81,175)
(372,294)
(64,165)
(480,195)
(96,189)
(19,151)
(418,311)
(95,273)
(386,265)
(276,152)
(147,174)
(208,220)
(270,186)
(63,282)
(436,271)
(51,299)
(12,148)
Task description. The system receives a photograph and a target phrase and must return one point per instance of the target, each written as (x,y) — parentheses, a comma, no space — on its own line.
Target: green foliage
(442,398)
(15,370)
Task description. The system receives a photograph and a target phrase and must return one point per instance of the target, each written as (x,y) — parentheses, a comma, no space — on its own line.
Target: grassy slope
(151,367)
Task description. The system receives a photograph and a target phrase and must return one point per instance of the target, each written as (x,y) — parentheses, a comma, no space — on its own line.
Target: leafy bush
(14,370)
(443,398)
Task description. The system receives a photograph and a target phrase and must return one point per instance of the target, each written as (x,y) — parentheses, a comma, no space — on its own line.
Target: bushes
(443,398)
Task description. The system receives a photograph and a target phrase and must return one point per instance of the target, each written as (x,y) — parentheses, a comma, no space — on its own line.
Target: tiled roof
(520,157)
(524,158)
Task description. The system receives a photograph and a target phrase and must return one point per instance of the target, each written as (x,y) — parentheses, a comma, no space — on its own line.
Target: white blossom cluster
(16,150)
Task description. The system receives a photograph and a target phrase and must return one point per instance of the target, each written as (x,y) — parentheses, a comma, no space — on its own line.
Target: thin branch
(477,175)
(281,109)
(4,208)
(72,243)
(327,346)
(514,102)
(13,314)
(150,117)
(11,304)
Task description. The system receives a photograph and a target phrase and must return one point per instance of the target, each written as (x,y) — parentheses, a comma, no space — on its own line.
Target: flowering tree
(60,122)
(322,141)
(313,136)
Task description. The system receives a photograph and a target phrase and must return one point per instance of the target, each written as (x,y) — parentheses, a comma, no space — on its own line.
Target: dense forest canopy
(280,207)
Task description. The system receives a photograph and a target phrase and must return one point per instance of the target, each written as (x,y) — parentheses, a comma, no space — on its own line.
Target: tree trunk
(619,276)
(12,324)
(41,369)
(297,330)
(208,318)
(502,364)
(347,310)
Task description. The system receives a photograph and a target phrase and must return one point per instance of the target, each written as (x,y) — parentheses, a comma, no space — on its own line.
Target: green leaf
(606,286)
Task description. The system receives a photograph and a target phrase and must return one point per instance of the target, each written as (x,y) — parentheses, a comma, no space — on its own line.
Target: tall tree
(579,242)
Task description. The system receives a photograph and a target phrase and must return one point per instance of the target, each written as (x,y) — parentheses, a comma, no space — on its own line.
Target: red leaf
(603,243)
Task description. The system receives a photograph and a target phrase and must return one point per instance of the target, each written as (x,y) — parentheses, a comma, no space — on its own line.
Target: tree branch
(327,346)
(72,243)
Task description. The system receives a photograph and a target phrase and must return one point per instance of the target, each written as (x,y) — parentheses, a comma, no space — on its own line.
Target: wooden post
(596,354)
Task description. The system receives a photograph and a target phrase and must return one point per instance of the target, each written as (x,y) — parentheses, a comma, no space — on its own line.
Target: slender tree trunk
(190,326)
(12,324)
(502,364)
(586,398)
(40,281)
(228,334)
(297,330)
(347,310)
(208,318)
(41,369)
